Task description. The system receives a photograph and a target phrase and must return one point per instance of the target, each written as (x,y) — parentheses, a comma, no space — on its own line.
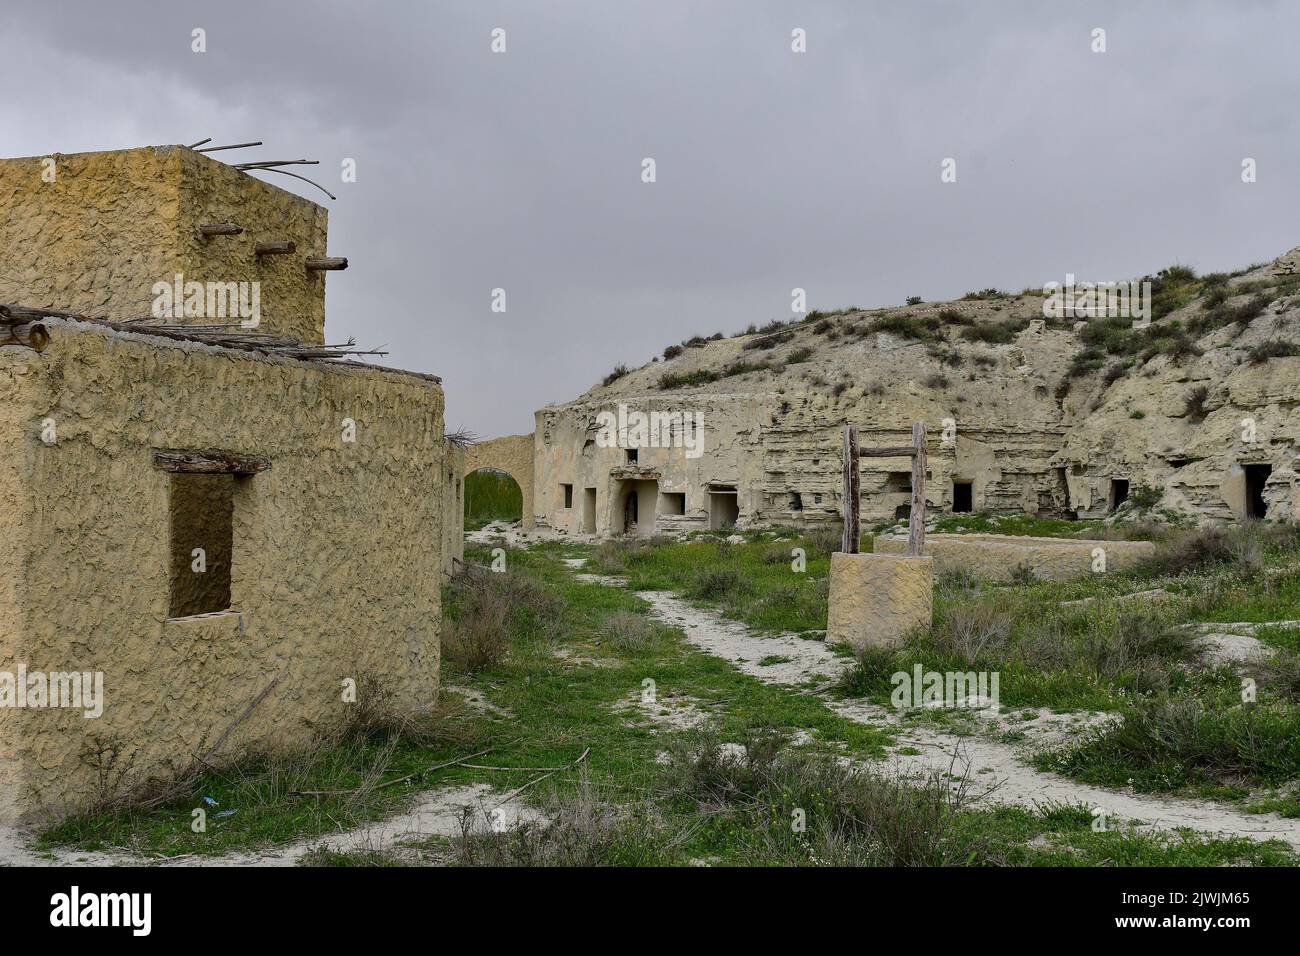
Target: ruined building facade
(239,541)
(1016,423)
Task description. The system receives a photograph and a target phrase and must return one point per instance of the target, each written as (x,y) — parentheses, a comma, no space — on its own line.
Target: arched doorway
(491,495)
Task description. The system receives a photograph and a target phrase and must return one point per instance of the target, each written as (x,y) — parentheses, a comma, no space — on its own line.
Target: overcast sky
(775,169)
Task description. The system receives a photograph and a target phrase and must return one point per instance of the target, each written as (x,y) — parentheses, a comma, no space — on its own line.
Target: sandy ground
(998,771)
(437,813)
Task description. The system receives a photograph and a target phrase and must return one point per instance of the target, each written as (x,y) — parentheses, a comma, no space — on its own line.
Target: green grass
(575,659)
(491,496)
(1108,654)
(755,582)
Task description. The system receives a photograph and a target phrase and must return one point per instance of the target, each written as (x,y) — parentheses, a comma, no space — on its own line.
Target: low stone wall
(998,557)
(876,600)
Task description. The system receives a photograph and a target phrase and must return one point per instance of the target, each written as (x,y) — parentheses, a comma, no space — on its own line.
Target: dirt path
(436,813)
(996,769)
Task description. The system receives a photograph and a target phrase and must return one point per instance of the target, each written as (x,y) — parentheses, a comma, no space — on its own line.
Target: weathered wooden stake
(220,229)
(852,533)
(274,248)
(916,522)
(326,263)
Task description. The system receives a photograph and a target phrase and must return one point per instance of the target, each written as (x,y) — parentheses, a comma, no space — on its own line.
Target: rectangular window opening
(898,481)
(202,511)
(673,503)
(568,495)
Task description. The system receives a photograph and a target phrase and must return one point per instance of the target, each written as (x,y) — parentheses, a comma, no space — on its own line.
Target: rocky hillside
(1165,406)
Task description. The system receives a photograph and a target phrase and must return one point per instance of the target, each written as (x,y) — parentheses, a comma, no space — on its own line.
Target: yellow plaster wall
(335,572)
(112,224)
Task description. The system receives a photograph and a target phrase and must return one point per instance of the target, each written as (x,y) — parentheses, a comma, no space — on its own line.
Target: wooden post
(326,263)
(917,452)
(916,522)
(852,532)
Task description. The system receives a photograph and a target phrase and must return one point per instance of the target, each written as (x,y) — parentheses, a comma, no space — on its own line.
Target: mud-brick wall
(94,233)
(334,574)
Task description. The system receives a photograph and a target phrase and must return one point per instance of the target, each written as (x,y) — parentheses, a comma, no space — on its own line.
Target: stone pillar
(876,599)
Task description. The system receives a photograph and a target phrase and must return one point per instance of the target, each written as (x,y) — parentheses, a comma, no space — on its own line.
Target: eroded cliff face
(1195,413)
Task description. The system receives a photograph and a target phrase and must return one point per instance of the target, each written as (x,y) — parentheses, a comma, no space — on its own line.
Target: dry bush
(629,632)
(1044,645)
(578,829)
(611,557)
(977,631)
(717,583)
(1240,546)
(825,540)
(487,607)
(854,817)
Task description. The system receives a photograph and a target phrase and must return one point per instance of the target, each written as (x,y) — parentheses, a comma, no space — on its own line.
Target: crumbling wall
(512,454)
(335,573)
(577,446)
(1001,557)
(94,232)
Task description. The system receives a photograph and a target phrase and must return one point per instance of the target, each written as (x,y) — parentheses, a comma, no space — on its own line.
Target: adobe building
(231,525)
(1024,415)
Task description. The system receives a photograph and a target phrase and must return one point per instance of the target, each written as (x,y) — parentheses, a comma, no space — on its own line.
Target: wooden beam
(33,335)
(327,263)
(209,463)
(274,248)
(891,451)
(220,229)
(916,522)
(852,532)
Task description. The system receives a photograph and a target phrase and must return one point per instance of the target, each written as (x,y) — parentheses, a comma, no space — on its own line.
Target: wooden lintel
(274,248)
(209,463)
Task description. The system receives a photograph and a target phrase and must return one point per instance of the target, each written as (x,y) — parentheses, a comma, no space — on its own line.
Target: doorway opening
(962,496)
(1256,479)
(724,509)
(638,506)
(1118,492)
(589,510)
